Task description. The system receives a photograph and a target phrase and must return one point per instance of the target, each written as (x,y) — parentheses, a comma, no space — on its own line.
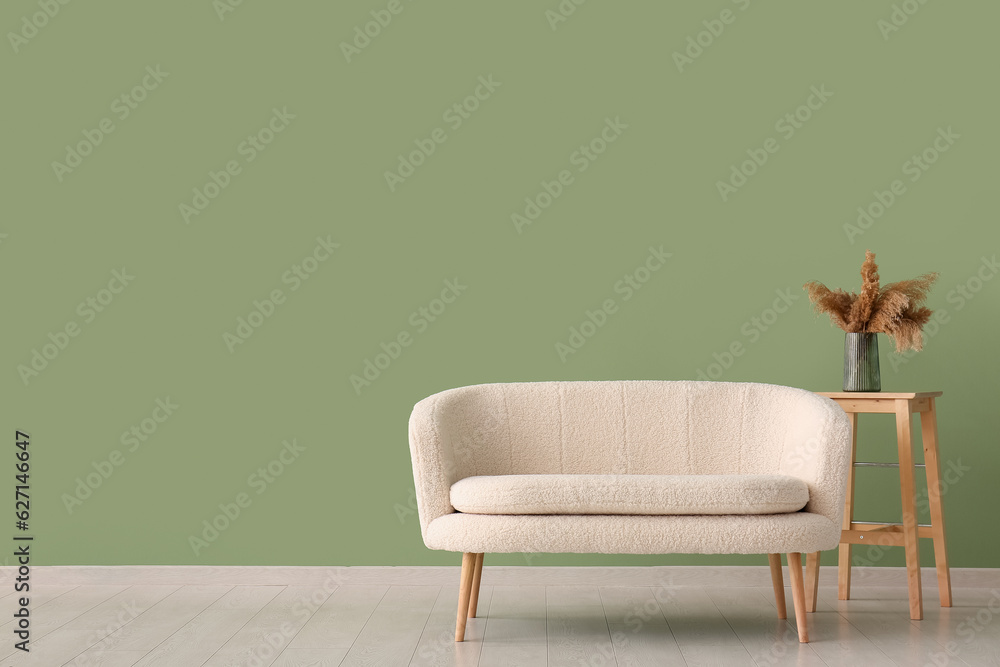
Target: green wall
(299,141)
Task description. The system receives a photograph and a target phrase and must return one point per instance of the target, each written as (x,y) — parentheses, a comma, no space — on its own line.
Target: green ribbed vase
(861,362)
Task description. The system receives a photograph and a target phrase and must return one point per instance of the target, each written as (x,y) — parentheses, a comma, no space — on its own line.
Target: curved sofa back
(620,427)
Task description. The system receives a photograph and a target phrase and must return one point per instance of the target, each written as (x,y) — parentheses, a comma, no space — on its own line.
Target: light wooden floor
(396,624)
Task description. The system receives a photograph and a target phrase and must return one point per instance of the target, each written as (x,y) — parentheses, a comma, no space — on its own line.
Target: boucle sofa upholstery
(629,494)
(555,466)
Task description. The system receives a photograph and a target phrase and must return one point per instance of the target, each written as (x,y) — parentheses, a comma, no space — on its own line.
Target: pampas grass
(896,310)
(861,309)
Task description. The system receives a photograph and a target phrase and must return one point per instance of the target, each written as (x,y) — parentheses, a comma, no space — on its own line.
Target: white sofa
(640,467)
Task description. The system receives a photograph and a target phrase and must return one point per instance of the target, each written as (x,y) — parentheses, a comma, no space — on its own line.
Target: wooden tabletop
(878,394)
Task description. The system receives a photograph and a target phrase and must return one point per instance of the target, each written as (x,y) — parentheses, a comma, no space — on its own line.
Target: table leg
(928,427)
(908,491)
(844,556)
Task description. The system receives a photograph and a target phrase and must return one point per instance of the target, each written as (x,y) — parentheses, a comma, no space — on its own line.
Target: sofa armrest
(817,449)
(435,461)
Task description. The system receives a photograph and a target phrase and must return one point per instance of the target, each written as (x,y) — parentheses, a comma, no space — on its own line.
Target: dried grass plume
(896,310)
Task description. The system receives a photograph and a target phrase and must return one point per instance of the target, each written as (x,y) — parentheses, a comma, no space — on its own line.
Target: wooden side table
(906,533)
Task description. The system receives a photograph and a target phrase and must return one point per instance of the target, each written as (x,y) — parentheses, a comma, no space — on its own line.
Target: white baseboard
(665,576)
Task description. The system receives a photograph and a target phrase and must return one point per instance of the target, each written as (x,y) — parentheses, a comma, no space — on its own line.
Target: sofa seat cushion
(629,494)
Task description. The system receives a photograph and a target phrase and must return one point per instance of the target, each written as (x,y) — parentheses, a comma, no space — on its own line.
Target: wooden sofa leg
(798,595)
(477,578)
(812,580)
(464,593)
(779,585)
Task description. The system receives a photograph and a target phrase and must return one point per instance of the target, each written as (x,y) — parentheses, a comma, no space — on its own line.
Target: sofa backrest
(620,427)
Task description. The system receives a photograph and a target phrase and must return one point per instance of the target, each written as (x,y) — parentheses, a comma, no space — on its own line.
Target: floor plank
(162,620)
(270,632)
(515,628)
(38,596)
(247,597)
(59,611)
(832,637)
(310,657)
(886,623)
(338,622)
(701,631)
(647,645)
(437,646)
(768,639)
(97,657)
(79,634)
(639,632)
(394,628)
(576,627)
(202,636)
(970,629)
(632,605)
